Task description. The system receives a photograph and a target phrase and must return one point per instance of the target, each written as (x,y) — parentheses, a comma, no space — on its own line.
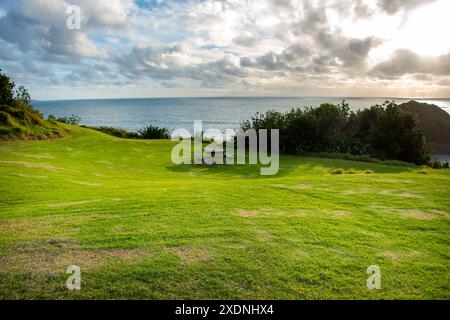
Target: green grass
(19,121)
(140,227)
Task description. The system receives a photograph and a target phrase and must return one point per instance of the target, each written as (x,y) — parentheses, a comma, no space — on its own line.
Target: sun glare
(426,30)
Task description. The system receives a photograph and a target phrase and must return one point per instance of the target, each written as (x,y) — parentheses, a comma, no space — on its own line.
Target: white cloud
(234,44)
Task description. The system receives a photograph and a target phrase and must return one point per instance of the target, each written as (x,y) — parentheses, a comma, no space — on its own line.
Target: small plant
(73,119)
(154,132)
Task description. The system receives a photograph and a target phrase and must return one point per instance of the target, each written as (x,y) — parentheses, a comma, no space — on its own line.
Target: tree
(6,89)
(383,131)
(22,95)
(393,133)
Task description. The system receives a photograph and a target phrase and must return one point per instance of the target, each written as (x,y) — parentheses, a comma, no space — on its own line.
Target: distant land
(434,122)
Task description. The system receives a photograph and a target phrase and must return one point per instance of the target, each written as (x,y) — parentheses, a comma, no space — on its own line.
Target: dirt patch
(412,213)
(105,162)
(441,213)
(410,195)
(53,256)
(301,186)
(32,165)
(189,254)
(417,214)
(86,183)
(404,194)
(395,256)
(341,213)
(33,176)
(38,155)
(72,203)
(263,235)
(45,244)
(247,213)
(42,226)
(15,225)
(400,256)
(269,212)
(101,175)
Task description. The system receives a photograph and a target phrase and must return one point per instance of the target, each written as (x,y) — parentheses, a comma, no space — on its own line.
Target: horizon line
(240,97)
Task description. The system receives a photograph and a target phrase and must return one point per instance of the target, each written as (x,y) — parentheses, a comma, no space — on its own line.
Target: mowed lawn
(142,228)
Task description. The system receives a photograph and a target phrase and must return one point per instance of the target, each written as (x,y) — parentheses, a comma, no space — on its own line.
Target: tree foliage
(384,131)
(6,89)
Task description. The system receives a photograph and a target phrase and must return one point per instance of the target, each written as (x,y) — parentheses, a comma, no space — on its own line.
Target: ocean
(173,113)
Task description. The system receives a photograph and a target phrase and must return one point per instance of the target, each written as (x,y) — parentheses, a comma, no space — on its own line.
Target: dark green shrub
(382,131)
(6,89)
(73,119)
(154,132)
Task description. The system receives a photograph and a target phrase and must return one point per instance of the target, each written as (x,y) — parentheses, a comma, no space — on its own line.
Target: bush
(382,131)
(392,133)
(73,119)
(154,132)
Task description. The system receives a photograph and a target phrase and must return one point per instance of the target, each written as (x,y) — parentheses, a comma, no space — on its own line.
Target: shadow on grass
(289,164)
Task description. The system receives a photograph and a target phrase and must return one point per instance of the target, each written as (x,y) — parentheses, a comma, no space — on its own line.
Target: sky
(156,48)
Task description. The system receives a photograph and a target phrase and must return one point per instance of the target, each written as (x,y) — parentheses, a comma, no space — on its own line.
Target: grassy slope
(19,121)
(140,227)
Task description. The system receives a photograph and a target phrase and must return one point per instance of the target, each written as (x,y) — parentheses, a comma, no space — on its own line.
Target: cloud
(39,26)
(246,40)
(105,13)
(229,44)
(319,48)
(405,62)
(174,62)
(361,10)
(393,6)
